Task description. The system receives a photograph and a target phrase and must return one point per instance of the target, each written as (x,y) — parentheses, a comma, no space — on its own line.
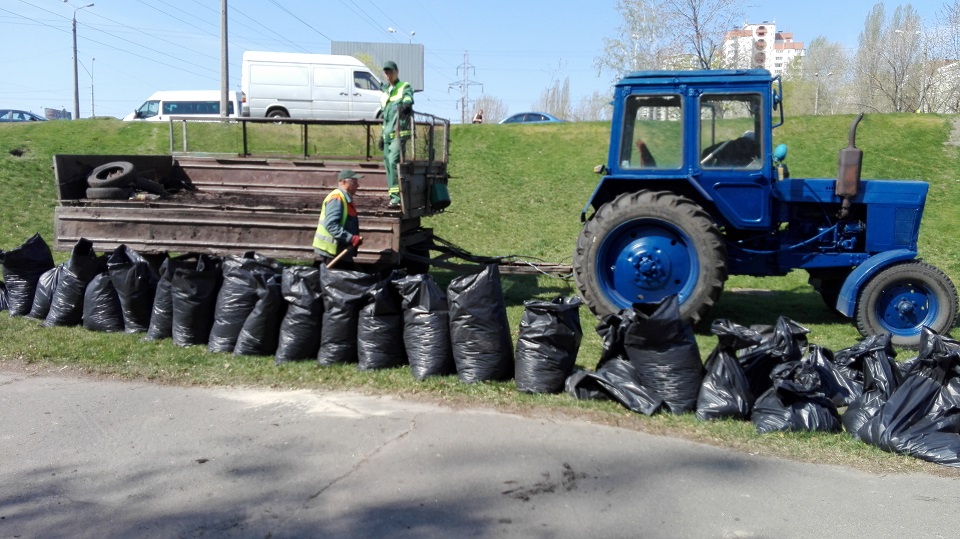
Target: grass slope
(517,190)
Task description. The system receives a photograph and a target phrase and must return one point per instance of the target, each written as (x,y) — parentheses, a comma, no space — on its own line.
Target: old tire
(903,298)
(113,174)
(645,246)
(109,193)
(150,186)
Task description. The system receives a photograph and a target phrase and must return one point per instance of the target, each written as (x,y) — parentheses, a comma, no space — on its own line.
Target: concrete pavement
(103,458)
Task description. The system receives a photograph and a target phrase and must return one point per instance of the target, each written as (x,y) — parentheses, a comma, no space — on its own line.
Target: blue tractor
(693,191)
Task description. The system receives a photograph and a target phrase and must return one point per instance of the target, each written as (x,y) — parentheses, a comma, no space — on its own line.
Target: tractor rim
(646,260)
(905,307)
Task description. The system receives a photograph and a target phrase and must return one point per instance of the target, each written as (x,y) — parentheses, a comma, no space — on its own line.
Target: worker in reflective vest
(396,103)
(339,226)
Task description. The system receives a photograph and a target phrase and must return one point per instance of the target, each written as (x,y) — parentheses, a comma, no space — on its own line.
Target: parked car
(530,118)
(9,115)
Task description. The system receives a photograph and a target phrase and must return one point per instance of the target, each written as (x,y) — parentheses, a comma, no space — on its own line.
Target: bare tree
(641,41)
(555,99)
(594,107)
(816,82)
(702,24)
(890,60)
(942,59)
(493,108)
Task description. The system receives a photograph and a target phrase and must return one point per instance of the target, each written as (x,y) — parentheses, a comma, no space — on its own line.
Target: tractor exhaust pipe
(848,176)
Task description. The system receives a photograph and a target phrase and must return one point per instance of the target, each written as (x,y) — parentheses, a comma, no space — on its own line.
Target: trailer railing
(304,139)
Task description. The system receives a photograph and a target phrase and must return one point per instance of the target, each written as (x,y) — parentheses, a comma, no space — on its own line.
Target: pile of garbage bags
(251,305)
(772,377)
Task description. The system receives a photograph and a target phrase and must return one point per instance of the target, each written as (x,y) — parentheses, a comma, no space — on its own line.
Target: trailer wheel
(109,193)
(903,298)
(645,246)
(113,174)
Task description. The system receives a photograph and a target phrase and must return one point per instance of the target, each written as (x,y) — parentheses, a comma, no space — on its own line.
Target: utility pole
(76,76)
(224,63)
(464,85)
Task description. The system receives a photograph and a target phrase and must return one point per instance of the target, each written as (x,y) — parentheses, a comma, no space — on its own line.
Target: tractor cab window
(652,132)
(729,131)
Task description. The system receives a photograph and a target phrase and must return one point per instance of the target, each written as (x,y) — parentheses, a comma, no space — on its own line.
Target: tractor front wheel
(642,247)
(903,298)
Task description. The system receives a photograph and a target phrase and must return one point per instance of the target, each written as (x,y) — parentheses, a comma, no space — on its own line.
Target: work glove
(406,109)
(356,240)
(380,144)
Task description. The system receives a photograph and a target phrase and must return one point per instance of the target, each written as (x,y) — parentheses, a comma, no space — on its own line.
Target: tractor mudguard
(847,301)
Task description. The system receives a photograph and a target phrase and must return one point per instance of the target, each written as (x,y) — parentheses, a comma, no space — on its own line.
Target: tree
(555,99)
(592,108)
(942,93)
(890,61)
(668,34)
(493,108)
(815,82)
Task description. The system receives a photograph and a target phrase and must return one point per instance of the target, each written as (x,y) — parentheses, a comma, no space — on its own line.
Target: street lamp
(393,30)
(76,81)
(93,110)
(816,96)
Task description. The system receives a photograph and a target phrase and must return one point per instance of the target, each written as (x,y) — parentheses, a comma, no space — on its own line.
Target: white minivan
(309,86)
(200,103)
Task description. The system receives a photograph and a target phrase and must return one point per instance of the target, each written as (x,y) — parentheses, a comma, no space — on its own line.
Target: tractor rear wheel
(645,246)
(903,298)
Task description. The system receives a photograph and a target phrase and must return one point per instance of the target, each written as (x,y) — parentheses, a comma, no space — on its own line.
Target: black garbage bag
(380,327)
(547,344)
(237,298)
(136,284)
(615,379)
(795,402)
(43,293)
(4,305)
(300,329)
(22,268)
(426,326)
(725,391)
(260,334)
(343,297)
(102,310)
(921,418)
(784,342)
(66,307)
(840,385)
(874,357)
(479,329)
(161,313)
(194,293)
(663,350)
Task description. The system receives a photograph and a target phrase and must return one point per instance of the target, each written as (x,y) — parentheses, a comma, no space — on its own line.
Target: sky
(129,49)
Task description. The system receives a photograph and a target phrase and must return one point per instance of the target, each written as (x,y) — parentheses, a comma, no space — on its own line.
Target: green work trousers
(391,158)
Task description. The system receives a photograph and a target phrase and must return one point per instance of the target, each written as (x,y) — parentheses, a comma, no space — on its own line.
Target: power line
(305,23)
(464,85)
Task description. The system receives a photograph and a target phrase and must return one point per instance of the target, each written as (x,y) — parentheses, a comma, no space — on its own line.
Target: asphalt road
(100,458)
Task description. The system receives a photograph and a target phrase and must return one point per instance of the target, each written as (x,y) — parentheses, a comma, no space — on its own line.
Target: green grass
(516,190)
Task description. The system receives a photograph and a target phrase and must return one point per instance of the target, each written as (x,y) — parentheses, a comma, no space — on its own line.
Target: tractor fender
(847,301)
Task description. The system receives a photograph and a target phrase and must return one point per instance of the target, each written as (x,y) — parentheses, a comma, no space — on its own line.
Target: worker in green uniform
(339,225)
(396,103)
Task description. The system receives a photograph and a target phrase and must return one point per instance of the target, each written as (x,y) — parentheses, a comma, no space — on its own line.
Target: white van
(200,103)
(317,86)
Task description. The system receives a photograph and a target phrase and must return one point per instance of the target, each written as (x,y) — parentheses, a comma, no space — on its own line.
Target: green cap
(390,64)
(347,174)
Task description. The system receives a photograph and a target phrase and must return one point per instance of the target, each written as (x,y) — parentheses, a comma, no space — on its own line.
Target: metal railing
(305,139)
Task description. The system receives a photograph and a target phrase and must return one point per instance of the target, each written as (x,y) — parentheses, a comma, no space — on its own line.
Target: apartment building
(761,46)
